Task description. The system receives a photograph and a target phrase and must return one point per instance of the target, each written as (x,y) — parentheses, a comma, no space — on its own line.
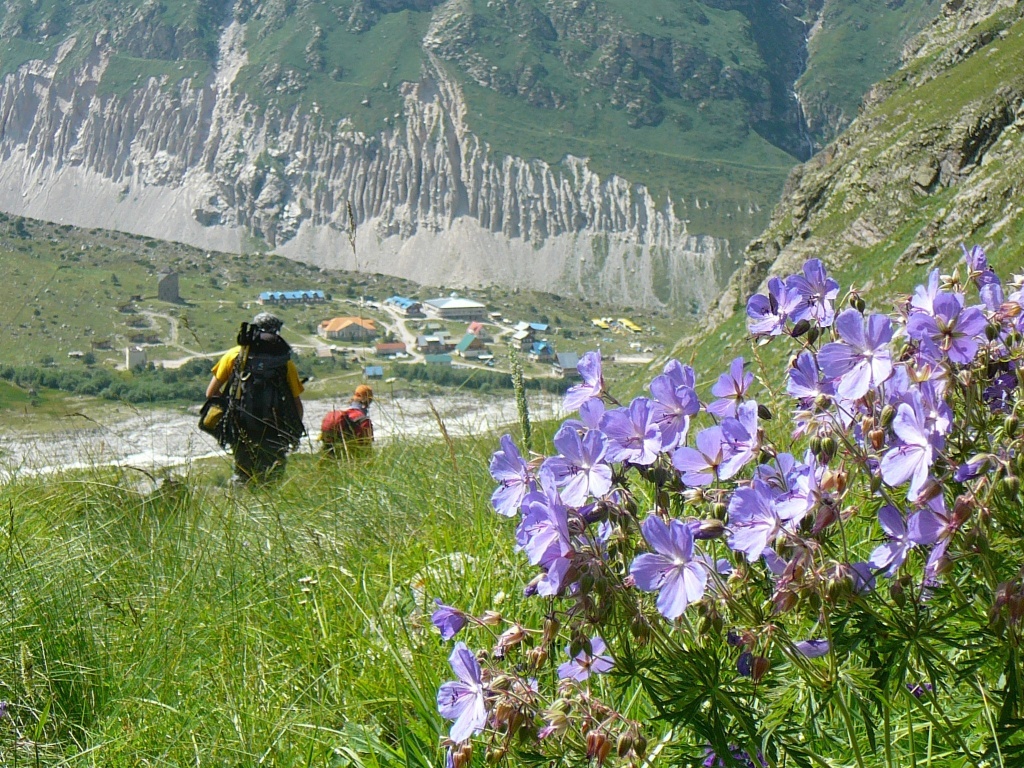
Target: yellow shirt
(222,370)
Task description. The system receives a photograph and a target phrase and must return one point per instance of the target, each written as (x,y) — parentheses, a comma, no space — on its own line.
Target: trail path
(152,440)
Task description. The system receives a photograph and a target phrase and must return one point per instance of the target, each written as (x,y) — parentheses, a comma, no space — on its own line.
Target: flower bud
(763,412)
(495,755)
(1011,484)
(640,629)
(800,329)
(760,668)
(538,656)
(462,755)
(624,744)
(551,627)
(897,591)
(992,331)
(812,334)
(710,529)
(829,446)
(877,439)
(815,445)
(639,745)
(1010,424)
(719,510)
(490,618)
(886,417)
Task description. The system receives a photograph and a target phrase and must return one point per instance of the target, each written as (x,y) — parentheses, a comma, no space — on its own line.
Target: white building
(455,308)
(134,357)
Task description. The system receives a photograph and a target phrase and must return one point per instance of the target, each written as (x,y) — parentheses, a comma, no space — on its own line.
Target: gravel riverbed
(159,438)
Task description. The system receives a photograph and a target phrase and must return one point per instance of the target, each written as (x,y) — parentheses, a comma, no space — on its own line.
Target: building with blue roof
(292,297)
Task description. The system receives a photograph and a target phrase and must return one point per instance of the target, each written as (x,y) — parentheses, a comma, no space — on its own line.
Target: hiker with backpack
(257,385)
(349,432)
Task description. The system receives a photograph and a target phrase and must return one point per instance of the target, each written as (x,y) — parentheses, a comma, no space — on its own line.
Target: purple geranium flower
(448,620)
(924,295)
(699,466)
(812,649)
(805,380)
(731,389)
(915,456)
(510,469)
(862,360)
(579,470)
(672,406)
(953,328)
(583,664)
(741,439)
(674,569)
(632,433)
(767,315)
(463,700)
(816,291)
(589,368)
(903,537)
(754,522)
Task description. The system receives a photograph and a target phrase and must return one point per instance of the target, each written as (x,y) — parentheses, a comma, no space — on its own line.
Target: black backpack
(261,407)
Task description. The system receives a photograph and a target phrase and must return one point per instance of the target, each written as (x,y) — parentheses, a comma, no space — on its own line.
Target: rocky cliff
(426,200)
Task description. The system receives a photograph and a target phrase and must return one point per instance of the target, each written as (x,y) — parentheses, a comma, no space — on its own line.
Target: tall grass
(191,624)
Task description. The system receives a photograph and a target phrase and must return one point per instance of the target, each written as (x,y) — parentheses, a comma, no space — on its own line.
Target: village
(376,335)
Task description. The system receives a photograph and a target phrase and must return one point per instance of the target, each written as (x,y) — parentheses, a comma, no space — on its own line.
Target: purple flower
(919,690)
(741,439)
(924,295)
(699,466)
(862,360)
(903,537)
(976,259)
(579,470)
(753,521)
(767,315)
(674,570)
(510,469)
(448,620)
(954,329)
(816,292)
(812,649)
(632,433)
(672,407)
(731,389)
(543,533)
(805,380)
(583,664)
(463,700)
(915,456)
(862,578)
(589,368)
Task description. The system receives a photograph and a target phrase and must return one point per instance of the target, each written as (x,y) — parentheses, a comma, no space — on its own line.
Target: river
(156,439)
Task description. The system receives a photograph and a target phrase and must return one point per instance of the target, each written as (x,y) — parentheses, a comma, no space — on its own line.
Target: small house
(469,347)
(438,359)
(389,348)
(373,372)
(541,352)
(565,365)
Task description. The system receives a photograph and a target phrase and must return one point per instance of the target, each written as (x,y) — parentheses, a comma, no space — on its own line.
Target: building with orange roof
(348,329)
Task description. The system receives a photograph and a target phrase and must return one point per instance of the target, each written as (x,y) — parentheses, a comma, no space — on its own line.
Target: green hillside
(693,99)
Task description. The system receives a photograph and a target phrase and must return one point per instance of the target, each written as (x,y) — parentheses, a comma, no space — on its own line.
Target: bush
(846,589)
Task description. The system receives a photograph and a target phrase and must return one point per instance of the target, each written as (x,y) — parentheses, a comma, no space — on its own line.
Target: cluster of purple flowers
(872,396)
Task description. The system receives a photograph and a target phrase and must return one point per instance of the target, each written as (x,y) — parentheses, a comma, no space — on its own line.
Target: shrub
(847,589)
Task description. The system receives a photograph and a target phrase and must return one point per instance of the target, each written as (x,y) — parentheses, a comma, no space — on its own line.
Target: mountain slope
(614,148)
(934,161)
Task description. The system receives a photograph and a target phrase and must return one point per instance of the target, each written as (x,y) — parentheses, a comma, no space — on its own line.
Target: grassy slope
(235,627)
